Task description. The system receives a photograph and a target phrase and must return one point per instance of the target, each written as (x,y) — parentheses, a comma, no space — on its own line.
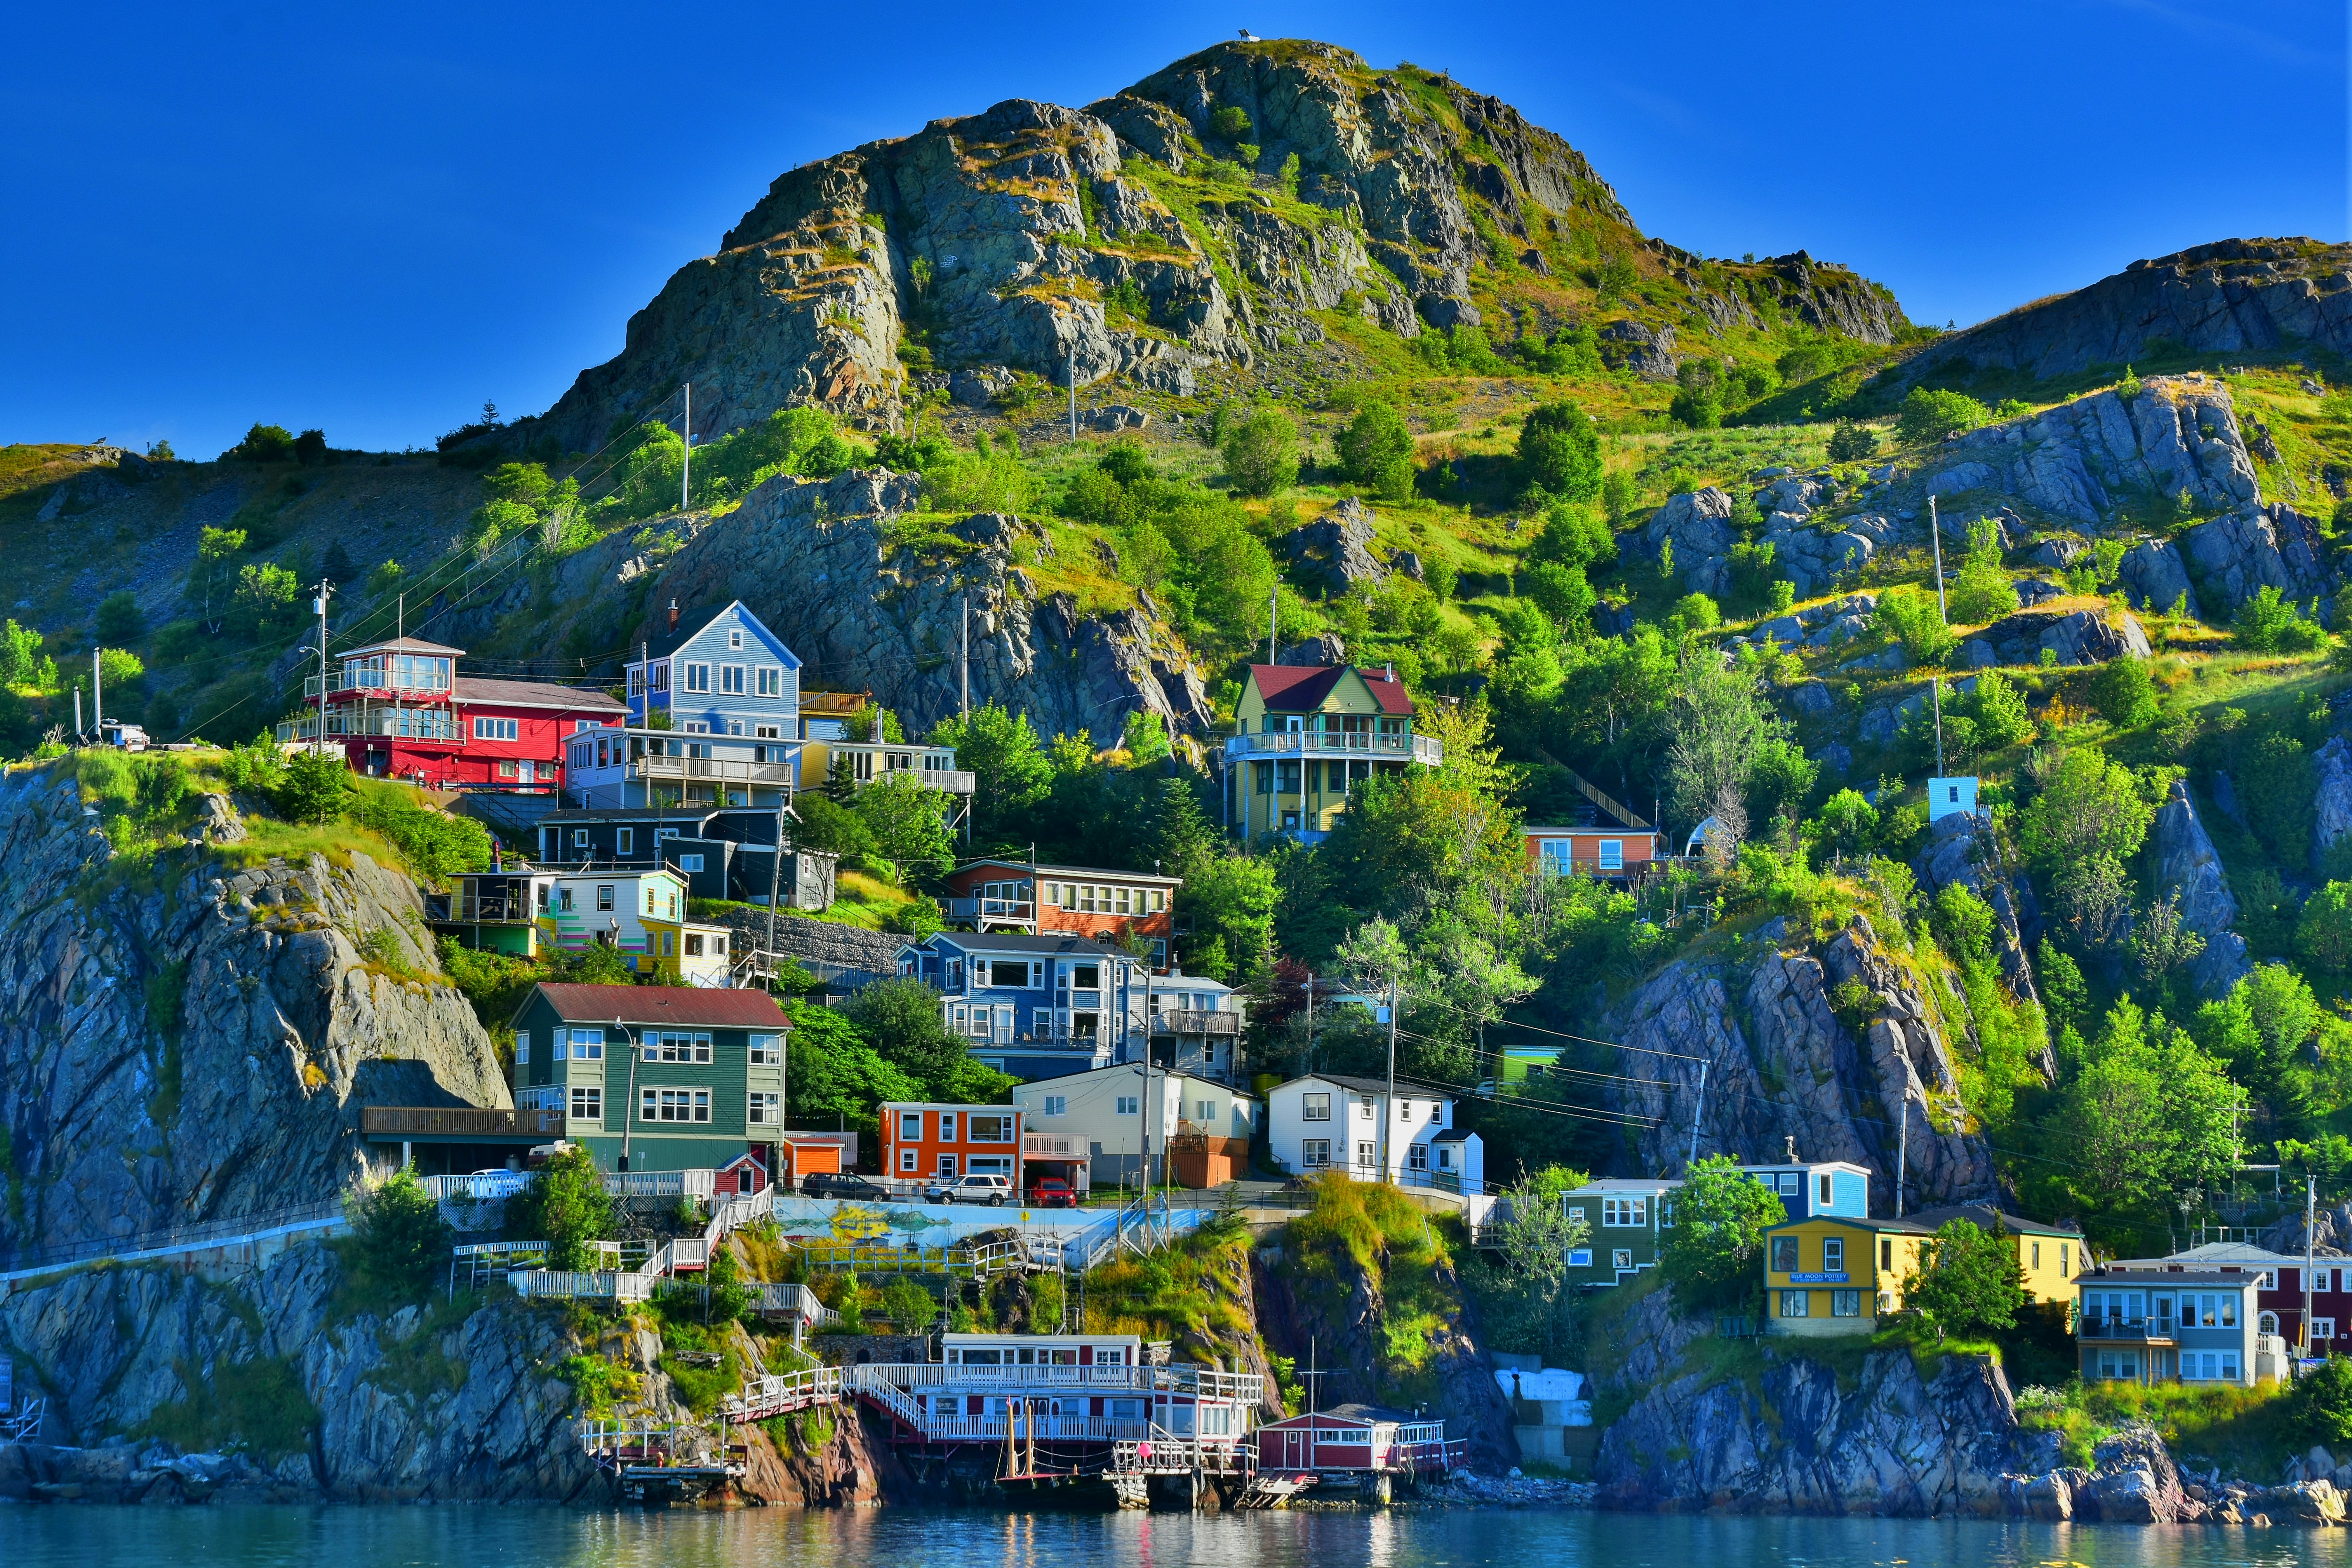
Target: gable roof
(400,644)
(1136,1068)
(1371,1086)
(535,694)
(1982,1216)
(693,624)
(675,813)
(662,1004)
(1045,870)
(1906,1226)
(1301,689)
(1017,941)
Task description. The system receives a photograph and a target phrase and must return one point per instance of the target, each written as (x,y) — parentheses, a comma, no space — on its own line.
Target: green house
(1624,1220)
(690,1078)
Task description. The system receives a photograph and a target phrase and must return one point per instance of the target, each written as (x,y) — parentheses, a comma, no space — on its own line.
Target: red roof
(536,694)
(657,1005)
(1301,689)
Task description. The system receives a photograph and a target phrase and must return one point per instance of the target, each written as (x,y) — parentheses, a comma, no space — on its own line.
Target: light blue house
(718,674)
(1035,1006)
(1818,1189)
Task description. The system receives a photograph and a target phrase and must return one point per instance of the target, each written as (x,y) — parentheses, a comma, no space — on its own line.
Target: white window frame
(1057,1105)
(1630,1212)
(1315,1107)
(698,679)
(1126,1105)
(1612,854)
(588,1103)
(733,679)
(734,638)
(685,1105)
(767,1050)
(770,680)
(764,1108)
(522,1047)
(1315,1153)
(907,1161)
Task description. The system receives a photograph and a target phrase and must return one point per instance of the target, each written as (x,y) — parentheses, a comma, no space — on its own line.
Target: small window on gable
(735,637)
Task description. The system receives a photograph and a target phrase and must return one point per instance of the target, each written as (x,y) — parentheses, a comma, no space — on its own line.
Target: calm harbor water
(479,1537)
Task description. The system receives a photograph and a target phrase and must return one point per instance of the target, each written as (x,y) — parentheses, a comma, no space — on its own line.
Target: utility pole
(685,470)
(1310,1021)
(1273,622)
(1073,383)
(964,664)
(1936,542)
(1936,685)
(325,589)
(628,1107)
(98,693)
(1388,1110)
(1902,1154)
(1698,1113)
(2310,1219)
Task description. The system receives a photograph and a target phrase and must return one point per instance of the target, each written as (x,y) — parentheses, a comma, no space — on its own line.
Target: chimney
(1792,1148)
(1391,670)
(673,615)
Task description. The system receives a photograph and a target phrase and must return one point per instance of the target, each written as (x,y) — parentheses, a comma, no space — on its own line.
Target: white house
(1947,798)
(1105,1113)
(1325,1121)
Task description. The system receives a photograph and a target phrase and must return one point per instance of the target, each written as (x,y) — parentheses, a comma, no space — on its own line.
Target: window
(1784,1254)
(1205,1109)
(981,1129)
(624,841)
(2063,1248)
(587,1045)
(2229,1311)
(1845,1303)
(1367,1153)
(1127,1104)
(697,677)
(1621,1258)
(730,680)
(676,1046)
(1622,1212)
(1057,1105)
(690,862)
(947,1126)
(1796,1303)
(767,1050)
(1364,1107)
(765,1109)
(2323,1328)
(734,637)
(2036,1249)
(1612,854)
(1833,1255)
(771,680)
(1821,1186)
(1086,976)
(2267,1323)
(1315,1107)
(2229,1366)
(496,728)
(511,770)
(2268,1281)
(522,1047)
(674,1105)
(768,732)
(1579,1257)
(579,839)
(1885,1255)
(1416,1157)
(910,1126)
(605,898)
(947,1167)
(907,1160)
(1315,1153)
(587,1103)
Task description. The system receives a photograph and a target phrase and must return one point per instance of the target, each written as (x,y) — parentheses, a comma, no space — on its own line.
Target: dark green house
(691,1077)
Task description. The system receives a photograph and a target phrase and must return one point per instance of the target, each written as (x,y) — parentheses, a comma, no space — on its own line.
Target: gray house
(720,673)
(2159,1326)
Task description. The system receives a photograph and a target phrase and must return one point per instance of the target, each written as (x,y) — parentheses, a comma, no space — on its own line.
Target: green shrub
(564,1205)
(1262,454)
(313,787)
(1231,122)
(2268,623)
(1850,442)
(1981,590)
(2323,933)
(1698,396)
(1911,618)
(436,844)
(1930,415)
(119,620)
(1560,451)
(1699,612)
(399,1243)
(263,444)
(257,768)
(2125,692)
(1376,448)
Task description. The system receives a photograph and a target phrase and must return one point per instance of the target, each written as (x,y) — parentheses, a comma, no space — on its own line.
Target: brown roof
(400,644)
(657,1005)
(536,694)
(1299,689)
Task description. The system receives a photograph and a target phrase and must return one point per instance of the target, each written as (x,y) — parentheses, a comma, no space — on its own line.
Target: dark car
(841,1184)
(1052,1193)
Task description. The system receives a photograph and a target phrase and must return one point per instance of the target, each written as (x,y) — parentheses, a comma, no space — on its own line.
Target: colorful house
(1105,906)
(1358,1439)
(1604,838)
(718,672)
(1035,1006)
(1831,1274)
(1325,1121)
(638,913)
(722,853)
(2159,1326)
(937,1143)
(690,1078)
(1624,1219)
(1304,736)
(399,709)
(1200,1130)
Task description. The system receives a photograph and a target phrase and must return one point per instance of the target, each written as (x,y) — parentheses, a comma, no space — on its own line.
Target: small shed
(1948,797)
(1354,1439)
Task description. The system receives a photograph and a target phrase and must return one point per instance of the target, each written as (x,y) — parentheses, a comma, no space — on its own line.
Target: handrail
(1324,742)
(178,1239)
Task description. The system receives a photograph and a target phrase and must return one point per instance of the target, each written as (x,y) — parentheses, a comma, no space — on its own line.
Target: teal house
(687,1078)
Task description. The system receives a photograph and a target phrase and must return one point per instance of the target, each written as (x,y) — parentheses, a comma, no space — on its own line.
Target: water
(483,1537)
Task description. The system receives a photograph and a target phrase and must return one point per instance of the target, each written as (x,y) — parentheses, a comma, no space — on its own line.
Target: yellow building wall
(1876,1263)
(2051,1276)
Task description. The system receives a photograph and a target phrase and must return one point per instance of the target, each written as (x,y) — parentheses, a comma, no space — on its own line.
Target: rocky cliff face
(202,1050)
(2235,296)
(2189,869)
(1787,1058)
(1963,851)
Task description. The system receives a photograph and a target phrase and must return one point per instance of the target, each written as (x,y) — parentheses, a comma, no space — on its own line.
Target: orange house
(927,1142)
(1614,852)
(1091,902)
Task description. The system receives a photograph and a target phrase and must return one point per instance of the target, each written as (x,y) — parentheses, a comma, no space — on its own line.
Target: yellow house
(1832,1276)
(1304,735)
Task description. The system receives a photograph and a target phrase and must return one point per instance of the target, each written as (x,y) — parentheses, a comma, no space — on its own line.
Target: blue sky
(370,222)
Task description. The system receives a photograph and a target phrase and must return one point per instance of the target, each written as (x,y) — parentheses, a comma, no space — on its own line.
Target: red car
(1052,1193)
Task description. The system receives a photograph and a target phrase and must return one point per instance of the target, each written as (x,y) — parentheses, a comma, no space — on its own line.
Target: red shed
(1355,1438)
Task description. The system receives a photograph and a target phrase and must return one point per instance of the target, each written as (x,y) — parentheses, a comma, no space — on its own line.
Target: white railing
(1201,1382)
(592,1285)
(990,910)
(777,1392)
(1426,749)
(1052,1146)
(969,1429)
(798,1300)
(1163,1453)
(1195,1021)
(721,768)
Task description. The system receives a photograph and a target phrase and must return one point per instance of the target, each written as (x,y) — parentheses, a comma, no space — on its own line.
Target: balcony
(2112,1329)
(487,907)
(372,683)
(872,759)
(1193,1021)
(459,1121)
(725,770)
(1018,911)
(1052,1146)
(401,724)
(1424,748)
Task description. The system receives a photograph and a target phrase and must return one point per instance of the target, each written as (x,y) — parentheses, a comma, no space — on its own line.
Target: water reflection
(481,1537)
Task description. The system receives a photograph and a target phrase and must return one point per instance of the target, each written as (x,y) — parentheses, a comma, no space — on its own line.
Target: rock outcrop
(2082,461)
(1336,549)
(202,1051)
(1697,523)
(2235,557)
(2331,803)
(1964,851)
(2083,636)
(2188,867)
(2236,296)
(1820,1044)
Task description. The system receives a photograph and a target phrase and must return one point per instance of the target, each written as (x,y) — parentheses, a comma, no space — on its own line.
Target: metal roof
(663,1004)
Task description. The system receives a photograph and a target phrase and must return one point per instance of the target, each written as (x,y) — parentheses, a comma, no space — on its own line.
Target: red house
(1358,1439)
(402,711)
(2278,1297)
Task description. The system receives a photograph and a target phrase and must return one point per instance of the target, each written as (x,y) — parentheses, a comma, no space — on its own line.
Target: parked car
(976,1188)
(841,1184)
(1052,1193)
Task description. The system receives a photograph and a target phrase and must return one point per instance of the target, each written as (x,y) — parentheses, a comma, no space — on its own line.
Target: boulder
(2235,556)
(2032,591)
(1786,630)
(1796,494)
(2188,866)
(2133,1480)
(1837,757)
(2085,637)
(976,387)
(1336,548)
(1323,650)
(1648,353)
(1961,476)
(1699,523)
(1841,630)
(2007,527)
(2331,806)
(1408,561)
(1963,851)
(1978,654)
(1812,699)
(2153,575)
(2058,551)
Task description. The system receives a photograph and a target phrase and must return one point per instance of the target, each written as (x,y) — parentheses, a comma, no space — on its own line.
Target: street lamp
(628,1105)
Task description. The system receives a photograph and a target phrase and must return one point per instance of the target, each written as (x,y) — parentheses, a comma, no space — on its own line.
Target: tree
(901,1018)
(1561,591)
(1916,622)
(1713,1249)
(1969,1281)
(2319,1405)
(1698,396)
(263,444)
(1229,901)
(1849,822)
(265,597)
(1376,451)
(1260,454)
(1999,710)
(1536,1230)
(316,786)
(1559,450)
(2124,691)
(1850,442)
(311,448)
(2091,806)
(2163,944)
(564,1205)
(825,823)
(1930,415)
(400,1243)
(1982,590)
(1718,721)
(909,820)
(2268,623)
(2323,933)
(1010,773)
(1231,122)
(212,583)
(119,620)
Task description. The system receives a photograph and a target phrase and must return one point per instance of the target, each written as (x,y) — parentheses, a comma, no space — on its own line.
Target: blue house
(716,674)
(1818,1188)
(1035,1006)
